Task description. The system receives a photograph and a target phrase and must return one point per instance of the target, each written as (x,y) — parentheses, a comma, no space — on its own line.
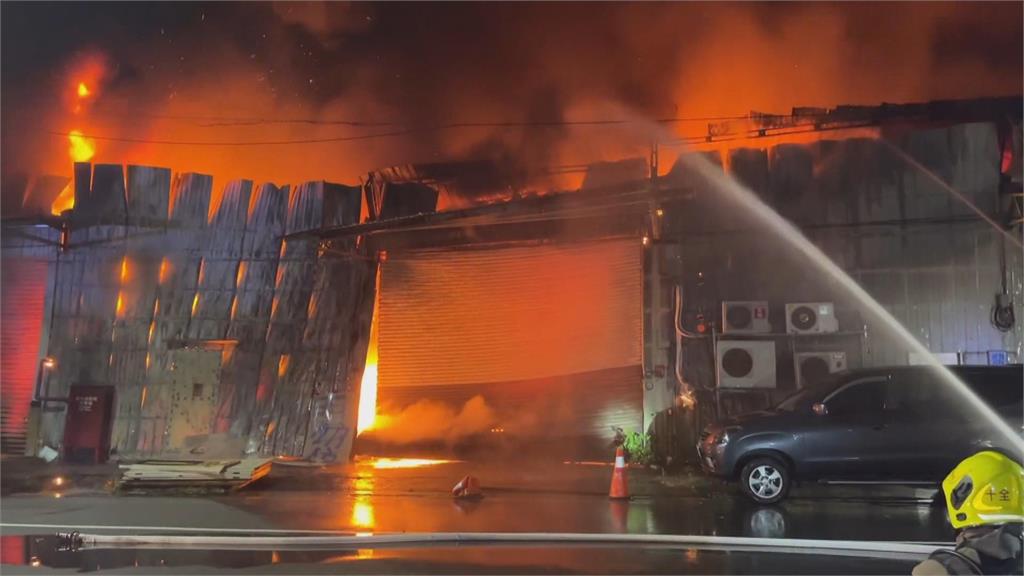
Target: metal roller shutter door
(548,335)
(23,293)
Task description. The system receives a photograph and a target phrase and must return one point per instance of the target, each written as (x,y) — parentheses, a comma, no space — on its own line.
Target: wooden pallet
(232,474)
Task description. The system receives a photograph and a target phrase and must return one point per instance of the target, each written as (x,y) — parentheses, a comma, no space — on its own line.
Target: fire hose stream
(908,550)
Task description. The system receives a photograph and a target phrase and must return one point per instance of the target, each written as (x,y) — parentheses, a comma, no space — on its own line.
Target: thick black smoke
(420,66)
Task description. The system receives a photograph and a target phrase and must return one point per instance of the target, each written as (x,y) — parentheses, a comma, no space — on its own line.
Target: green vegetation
(638,448)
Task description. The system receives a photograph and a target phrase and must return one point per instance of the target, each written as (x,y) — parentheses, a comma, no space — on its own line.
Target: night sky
(208,65)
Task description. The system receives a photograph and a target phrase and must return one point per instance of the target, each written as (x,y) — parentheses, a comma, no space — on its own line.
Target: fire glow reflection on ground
(393,463)
(362,513)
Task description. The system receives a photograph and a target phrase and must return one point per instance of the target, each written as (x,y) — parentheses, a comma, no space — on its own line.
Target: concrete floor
(520,497)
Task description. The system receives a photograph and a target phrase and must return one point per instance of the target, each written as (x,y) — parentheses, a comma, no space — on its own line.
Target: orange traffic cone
(619,489)
(467,488)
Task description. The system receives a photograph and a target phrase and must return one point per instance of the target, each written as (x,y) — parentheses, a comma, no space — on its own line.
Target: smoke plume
(428,420)
(229,73)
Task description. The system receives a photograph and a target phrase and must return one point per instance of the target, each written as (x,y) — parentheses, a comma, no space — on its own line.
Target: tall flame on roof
(82,149)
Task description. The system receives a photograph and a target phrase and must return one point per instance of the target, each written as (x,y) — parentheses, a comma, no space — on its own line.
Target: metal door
(549,335)
(194,378)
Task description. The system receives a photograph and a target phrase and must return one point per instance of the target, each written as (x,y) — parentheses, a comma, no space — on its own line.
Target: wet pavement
(519,497)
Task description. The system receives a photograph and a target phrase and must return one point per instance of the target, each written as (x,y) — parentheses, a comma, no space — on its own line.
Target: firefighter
(986,507)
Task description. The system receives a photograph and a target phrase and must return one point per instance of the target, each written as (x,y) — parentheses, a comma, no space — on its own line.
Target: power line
(482,124)
(236,143)
(332,139)
(215,121)
(751,133)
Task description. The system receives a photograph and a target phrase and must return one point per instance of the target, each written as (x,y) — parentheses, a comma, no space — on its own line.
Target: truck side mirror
(820,409)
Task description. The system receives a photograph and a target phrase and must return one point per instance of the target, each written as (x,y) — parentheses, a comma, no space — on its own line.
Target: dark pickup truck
(894,425)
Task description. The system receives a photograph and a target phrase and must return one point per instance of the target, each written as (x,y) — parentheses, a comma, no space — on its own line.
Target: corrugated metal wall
(156,265)
(883,211)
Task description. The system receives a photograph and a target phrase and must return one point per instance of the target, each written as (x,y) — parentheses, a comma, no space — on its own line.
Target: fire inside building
(152,312)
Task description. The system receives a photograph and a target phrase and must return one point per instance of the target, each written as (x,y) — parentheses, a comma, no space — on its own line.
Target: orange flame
(82,149)
(164,268)
(368,395)
(64,201)
(83,90)
(393,463)
(368,385)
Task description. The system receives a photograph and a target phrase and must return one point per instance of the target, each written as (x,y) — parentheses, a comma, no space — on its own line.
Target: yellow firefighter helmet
(985,489)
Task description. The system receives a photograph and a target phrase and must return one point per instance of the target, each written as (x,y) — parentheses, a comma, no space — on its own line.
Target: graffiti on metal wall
(329,437)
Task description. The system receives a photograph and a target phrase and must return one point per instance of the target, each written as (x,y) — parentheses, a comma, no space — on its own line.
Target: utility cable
(213,120)
(688,140)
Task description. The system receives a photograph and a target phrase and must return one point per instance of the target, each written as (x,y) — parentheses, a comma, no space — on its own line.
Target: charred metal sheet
(190,199)
(148,192)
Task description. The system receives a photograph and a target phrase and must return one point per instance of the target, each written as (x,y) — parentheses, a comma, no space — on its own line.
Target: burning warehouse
(551,261)
(287,320)
(540,287)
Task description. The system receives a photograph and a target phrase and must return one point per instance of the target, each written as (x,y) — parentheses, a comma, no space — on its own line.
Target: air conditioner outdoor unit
(745,317)
(746,364)
(811,318)
(811,367)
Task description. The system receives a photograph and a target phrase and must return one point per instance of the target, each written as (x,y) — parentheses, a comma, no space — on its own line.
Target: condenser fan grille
(737,363)
(803,317)
(813,369)
(738,316)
